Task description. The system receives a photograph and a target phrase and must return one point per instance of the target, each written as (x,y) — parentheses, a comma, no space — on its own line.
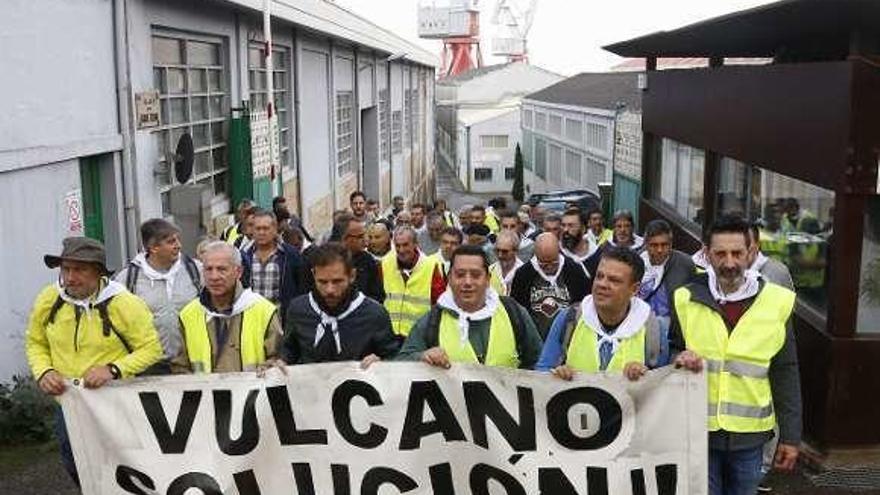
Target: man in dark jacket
(271,267)
(335,321)
(353,235)
(549,283)
(666,270)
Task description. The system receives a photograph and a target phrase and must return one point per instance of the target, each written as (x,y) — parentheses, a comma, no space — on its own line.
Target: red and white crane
(514,20)
(457,24)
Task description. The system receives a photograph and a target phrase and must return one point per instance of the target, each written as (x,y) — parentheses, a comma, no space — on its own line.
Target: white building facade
(98,93)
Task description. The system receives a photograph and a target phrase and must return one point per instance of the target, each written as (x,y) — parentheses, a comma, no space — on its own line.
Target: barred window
(383,122)
(490,141)
(556,125)
(396,124)
(483,174)
(344,133)
(190,74)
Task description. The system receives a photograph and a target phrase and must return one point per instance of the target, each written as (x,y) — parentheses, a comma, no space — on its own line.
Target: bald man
(548,283)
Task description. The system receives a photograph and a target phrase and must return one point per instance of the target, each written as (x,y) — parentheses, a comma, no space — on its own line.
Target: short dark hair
(395,198)
(469,250)
(340,227)
(356,194)
(552,217)
(508,214)
(454,232)
(420,206)
(595,211)
(371,201)
(329,253)
(478,208)
(276,200)
(628,257)
(157,230)
(657,227)
(572,212)
(263,213)
(729,224)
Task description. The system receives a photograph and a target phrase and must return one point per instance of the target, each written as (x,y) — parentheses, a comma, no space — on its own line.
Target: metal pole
(270,95)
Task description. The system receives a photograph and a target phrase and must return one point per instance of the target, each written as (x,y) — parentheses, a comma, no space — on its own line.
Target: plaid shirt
(266,277)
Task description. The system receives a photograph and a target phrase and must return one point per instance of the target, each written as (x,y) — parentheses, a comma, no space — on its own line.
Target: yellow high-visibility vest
(500,352)
(407,300)
(492,222)
(583,350)
(738,362)
(496,279)
(255,321)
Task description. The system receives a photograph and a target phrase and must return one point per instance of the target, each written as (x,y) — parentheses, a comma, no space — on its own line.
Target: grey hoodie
(154,291)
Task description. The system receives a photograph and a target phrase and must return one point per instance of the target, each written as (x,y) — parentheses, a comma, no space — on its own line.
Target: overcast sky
(567,35)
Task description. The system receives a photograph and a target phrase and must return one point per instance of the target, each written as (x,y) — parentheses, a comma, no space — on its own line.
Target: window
(555,165)
(681,180)
(493,142)
(556,125)
(528,117)
(258,91)
(573,166)
(597,136)
(541,158)
(869,289)
(383,122)
(574,130)
(190,74)
(797,223)
(541,121)
(344,139)
(483,174)
(526,150)
(595,173)
(509,173)
(396,141)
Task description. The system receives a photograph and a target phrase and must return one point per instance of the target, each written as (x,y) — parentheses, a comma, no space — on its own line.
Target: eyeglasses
(504,251)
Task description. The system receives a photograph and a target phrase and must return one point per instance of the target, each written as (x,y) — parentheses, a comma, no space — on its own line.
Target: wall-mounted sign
(74,213)
(147,108)
(262,129)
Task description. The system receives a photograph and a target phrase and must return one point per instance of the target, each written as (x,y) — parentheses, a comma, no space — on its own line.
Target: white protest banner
(395,428)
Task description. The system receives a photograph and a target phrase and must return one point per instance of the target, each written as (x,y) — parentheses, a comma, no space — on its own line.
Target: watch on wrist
(114,370)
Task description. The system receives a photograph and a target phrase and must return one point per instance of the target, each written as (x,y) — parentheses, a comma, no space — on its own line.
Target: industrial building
(97,95)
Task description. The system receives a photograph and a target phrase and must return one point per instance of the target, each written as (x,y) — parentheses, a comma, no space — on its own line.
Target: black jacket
(572,276)
(291,267)
(368,278)
(366,331)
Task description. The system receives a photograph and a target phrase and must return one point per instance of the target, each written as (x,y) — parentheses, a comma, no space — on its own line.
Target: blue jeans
(735,472)
(64,443)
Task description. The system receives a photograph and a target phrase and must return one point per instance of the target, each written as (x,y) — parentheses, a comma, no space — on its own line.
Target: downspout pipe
(126,127)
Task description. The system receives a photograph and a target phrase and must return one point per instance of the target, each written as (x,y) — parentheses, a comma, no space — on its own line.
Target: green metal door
(243,185)
(626,194)
(90,178)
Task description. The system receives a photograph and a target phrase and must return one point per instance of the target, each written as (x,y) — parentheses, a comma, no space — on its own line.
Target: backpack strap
(572,316)
(193,270)
(433,330)
(107,324)
(516,319)
(131,277)
(54,310)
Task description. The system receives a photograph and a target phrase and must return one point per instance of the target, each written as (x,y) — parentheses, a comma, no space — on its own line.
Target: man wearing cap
(227,328)
(86,326)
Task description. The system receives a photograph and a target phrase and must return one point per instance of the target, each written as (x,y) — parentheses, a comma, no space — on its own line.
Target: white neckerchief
(446,300)
(508,279)
(655,271)
(333,321)
(747,290)
(699,258)
(638,242)
(245,300)
(639,312)
(550,279)
(759,263)
(155,275)
(111,289)
(577,257)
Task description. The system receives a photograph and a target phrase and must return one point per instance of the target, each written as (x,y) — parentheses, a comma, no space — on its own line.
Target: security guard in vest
(612,330)
(413,281)
(227,328)
(741,326)
(472,324)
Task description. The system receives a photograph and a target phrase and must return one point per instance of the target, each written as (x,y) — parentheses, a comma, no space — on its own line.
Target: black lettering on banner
(171,442)
(341,479)
(667,479)
(126,476)
(597,481)
(554,481)
(378,476)
(482,405)
(610,418)
(246,483)
(250,429)
(441,479)
(482,473)
(282,411)
(637,477)
(342,397)
(200,481)
(302,475)
(428,393)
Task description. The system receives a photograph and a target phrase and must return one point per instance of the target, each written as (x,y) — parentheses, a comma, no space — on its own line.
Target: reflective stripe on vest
(254,322)
(496,279)
(406,301)
(501,350)
(233,234)
(738,362)
(583,350)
